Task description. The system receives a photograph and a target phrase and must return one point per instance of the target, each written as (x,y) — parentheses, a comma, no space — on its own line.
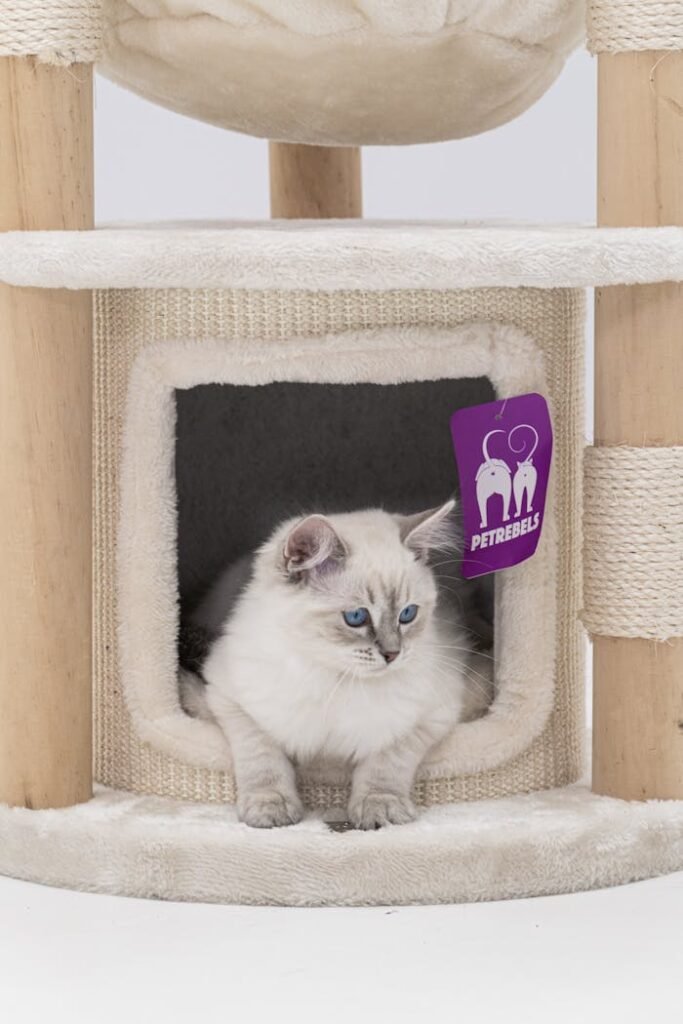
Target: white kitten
(334,648)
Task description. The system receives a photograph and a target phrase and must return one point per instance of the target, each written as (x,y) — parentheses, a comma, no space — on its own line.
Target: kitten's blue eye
(408,614)
(357,617)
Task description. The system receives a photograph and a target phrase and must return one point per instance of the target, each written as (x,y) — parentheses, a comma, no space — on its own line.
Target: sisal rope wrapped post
(638,679)
(630,26)
(59,32)
(46,170)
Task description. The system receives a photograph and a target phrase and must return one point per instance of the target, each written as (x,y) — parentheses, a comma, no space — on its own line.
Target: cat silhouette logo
(503,479)
(494,477)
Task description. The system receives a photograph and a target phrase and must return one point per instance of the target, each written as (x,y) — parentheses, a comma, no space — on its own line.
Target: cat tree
(361,283)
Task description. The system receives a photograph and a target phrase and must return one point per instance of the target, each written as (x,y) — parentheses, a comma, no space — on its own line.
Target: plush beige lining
(148,618)
(159,324)
(342,72)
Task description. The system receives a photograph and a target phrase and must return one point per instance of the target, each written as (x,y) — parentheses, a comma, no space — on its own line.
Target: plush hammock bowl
(342,72)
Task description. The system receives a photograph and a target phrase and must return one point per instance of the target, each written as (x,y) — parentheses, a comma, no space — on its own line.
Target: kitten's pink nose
(390,656)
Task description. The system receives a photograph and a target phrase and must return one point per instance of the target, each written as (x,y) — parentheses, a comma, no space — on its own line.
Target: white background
(594,957)
(154,165)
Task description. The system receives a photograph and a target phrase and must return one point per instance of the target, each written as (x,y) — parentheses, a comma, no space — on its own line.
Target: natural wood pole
(638,684)
(46,168)
(314,181)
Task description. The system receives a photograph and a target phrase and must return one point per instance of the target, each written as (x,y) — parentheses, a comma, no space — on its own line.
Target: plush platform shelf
(556,841)
(340,255)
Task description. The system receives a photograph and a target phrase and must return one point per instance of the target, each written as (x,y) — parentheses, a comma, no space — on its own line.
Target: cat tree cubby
(158,335)
(532,734)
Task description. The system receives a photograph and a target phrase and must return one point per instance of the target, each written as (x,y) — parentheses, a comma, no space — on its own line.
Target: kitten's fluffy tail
(194,644)
(192,691)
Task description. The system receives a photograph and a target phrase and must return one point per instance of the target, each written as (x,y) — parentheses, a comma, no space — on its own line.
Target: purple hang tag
(503,450)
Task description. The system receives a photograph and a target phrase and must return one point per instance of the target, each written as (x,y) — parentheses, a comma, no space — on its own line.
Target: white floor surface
(609,956)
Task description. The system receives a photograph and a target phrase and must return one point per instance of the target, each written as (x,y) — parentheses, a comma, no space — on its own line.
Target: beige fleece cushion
(532,845)
(343,72)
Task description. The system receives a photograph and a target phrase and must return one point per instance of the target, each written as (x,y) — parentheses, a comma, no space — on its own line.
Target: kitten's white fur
(288,680)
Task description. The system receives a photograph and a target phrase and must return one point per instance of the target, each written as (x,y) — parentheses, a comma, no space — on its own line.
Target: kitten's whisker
(485,692)
(443,660)
(467,650)
(464,665)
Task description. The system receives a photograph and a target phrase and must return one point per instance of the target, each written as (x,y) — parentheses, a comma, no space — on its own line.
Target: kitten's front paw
(268,808)
(377,809)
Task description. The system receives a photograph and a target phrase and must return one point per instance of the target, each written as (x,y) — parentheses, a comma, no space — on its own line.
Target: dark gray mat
(247,457)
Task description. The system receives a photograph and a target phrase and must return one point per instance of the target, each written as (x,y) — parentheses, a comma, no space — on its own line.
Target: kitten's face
(383,617)
(363,597)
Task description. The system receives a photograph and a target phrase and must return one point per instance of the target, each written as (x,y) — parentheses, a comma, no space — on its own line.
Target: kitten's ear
(429,530)
(313,544)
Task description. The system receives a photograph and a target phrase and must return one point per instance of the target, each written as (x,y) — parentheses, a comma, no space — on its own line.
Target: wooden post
(638,684)
(314,181)
(46,169)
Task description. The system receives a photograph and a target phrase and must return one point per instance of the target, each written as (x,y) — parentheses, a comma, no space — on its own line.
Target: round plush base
(542,843)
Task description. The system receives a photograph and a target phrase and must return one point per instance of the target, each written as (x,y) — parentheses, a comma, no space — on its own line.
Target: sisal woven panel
(126,321)
(619,26)
(633,542)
